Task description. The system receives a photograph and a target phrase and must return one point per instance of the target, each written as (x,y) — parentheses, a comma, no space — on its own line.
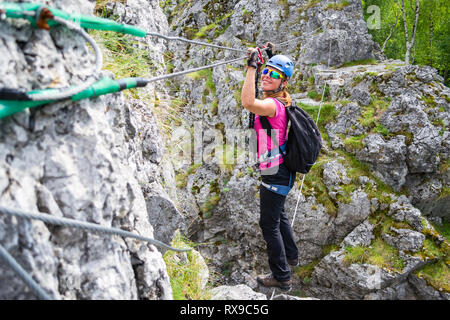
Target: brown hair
(282,95)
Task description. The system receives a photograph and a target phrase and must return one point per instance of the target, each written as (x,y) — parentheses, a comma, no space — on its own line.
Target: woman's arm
(266,107)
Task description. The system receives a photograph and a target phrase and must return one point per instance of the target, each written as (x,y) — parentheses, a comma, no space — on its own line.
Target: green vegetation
(311,3)
(379,253)
(431,46)
(437,275)
(100,7)
(359,62)
(338,6)
(181,178)
(127,57)
(304,272)
(357,80)
(202,33)
(313,186)
(318,96)
(210,204)
(444,166)
(184,273)
(207,75)
(328,113)
(218,26)
(371,113)
(371,74)
(314,95)
(437,272)
(285,5)
(123,55)
(213,199)
(354,143)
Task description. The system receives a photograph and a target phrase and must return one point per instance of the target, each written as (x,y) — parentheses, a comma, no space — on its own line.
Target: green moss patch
(379,253)
(437,275)
(359,62)
(338,6)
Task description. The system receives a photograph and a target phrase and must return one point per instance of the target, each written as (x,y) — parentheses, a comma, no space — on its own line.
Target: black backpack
(303,140)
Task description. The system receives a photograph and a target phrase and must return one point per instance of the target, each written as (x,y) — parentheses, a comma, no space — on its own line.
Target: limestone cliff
(363,219)
(95,160)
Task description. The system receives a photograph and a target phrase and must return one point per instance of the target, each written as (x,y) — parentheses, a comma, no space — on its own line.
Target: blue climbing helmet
(282,63)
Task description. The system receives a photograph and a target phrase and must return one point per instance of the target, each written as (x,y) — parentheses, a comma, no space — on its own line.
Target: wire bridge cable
(88,226)
(154,34)
(175,74)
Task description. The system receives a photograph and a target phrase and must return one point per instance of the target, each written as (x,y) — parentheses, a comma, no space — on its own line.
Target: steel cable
(171,75)
(60,94)
(87,226)
(24,275)
(193,42)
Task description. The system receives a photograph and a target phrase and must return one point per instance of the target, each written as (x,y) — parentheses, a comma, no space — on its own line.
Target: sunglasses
(272,73)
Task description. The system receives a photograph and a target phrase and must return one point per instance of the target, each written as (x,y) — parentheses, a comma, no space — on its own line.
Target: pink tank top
(279,123)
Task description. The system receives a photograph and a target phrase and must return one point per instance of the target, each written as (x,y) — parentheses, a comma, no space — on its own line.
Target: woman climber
(276,178)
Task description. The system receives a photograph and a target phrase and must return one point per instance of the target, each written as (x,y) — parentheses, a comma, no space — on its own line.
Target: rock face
(94,160)
(387,134)
(344,33)
(387,157)
(383,168)
(239,292)
(409,149)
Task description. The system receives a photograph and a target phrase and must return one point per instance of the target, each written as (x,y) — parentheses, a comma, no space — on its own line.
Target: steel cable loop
(87,226)
(65,93)
(23,274)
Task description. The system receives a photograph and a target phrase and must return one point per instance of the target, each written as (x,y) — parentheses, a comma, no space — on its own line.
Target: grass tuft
(184,272)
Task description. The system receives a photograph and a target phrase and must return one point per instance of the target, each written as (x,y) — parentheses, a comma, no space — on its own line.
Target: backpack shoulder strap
(268,127)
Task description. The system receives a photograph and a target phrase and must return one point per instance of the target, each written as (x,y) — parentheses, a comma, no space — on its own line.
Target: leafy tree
(431,18)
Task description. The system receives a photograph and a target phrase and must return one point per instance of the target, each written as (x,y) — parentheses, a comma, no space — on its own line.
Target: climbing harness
(65,222)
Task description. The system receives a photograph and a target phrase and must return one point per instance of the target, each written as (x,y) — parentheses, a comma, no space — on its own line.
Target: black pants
(275,226)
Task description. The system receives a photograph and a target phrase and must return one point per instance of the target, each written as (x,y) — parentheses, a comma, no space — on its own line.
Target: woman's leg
(271,205)
(290,246)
